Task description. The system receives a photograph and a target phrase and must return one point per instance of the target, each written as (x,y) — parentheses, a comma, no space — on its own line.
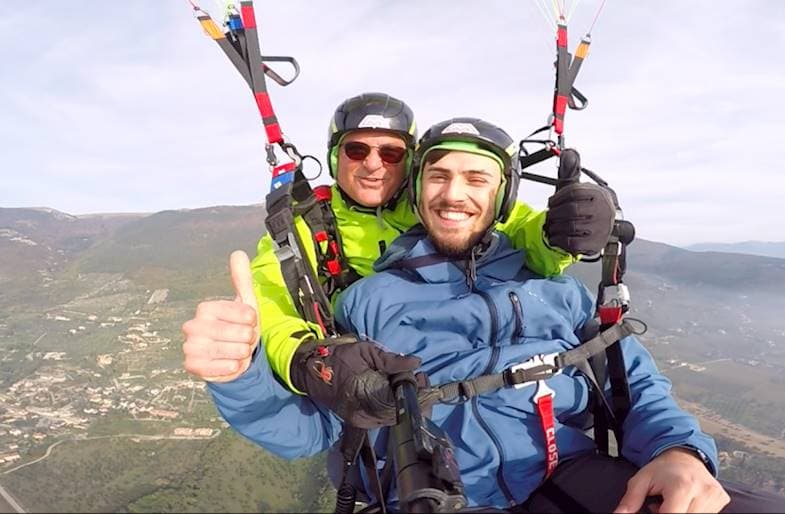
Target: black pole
(427,475)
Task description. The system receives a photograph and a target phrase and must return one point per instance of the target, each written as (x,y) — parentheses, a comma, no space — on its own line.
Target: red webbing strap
(563,85)
(544,405)
(269,120)
(567,68)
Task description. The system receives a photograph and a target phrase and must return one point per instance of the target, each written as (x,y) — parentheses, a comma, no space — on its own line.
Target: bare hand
(682,480)
(222,336)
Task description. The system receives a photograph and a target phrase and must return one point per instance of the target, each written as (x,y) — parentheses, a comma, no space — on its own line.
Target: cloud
(130,107)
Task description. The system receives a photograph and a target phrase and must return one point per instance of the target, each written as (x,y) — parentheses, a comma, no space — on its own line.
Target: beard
(457,248)
(458,244)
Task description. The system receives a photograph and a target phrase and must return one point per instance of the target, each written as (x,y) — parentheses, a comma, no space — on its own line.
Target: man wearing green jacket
(371,140)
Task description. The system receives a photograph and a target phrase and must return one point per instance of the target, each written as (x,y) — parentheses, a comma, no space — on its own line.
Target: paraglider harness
(290,195)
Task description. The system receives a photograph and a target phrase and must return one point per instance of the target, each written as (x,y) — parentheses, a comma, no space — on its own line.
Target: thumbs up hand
(222,335)
(580,216)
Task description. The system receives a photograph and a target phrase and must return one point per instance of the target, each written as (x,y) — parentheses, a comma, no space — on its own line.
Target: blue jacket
(463,328)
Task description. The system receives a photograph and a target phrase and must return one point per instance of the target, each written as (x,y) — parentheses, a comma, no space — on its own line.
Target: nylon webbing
(368,457)
(470,388)
(307,294)
(597,344)
(259,86)
(602,416)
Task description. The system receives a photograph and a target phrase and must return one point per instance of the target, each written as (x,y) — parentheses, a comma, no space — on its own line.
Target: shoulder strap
(301,280)
(333,265)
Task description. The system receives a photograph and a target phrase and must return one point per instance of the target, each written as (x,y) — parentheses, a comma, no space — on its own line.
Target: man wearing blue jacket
(453,295)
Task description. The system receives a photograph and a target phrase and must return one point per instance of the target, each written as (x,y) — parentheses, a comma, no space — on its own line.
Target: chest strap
(539,367)
(537,370)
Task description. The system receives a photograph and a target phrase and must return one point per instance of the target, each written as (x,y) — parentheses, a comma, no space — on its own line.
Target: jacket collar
(413,252)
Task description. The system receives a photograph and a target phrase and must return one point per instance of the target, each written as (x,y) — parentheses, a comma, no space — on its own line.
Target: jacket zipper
(475,406)
(494,331)
(518,311)
(500,473)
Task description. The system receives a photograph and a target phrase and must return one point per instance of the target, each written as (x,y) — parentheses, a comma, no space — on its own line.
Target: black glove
(352,378)
(580,218)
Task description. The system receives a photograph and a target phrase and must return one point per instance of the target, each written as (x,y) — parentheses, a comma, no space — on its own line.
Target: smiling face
(457,199)
(371,180)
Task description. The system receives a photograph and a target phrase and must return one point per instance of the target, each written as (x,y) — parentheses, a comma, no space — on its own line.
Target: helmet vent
(374,121)
(461,128)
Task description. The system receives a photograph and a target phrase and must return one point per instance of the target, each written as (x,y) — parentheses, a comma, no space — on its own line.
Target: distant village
(63,399)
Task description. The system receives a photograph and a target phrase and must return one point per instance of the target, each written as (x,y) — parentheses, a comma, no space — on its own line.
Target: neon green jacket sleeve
(524,228)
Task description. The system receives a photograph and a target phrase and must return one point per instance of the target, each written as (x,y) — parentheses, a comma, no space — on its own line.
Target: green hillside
(226,474)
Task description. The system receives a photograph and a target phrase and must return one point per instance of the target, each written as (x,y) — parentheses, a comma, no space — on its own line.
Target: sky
(130,107)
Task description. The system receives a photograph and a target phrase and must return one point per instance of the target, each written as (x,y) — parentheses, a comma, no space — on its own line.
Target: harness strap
(539,367)
(567,69)
(369,461)
(620,388)
(259,87)
(597,344)
(307,294)
(612,304)
(543,400)
(351,443)
(324,227)
(310,294)
(601,411)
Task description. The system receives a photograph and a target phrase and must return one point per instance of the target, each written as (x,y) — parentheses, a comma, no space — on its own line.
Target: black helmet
(375,111)
(486,136)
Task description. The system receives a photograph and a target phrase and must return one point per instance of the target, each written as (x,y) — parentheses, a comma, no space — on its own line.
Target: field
(134,474)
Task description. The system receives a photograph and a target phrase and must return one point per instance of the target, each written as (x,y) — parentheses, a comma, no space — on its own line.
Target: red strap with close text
(545,409)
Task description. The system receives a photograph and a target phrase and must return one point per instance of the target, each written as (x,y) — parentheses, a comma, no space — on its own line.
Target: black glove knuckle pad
(350,379)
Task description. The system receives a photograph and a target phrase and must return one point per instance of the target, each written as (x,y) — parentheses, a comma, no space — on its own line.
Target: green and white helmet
(471,135)
(374,111)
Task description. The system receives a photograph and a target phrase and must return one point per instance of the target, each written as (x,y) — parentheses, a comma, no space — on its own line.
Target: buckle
(548,363)
(615,295)
(542,391)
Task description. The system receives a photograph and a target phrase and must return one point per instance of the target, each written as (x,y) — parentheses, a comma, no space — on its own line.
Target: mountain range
(763,248)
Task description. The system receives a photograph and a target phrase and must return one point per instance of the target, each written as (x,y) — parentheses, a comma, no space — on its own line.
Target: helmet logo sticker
(461,128)
(375,121)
